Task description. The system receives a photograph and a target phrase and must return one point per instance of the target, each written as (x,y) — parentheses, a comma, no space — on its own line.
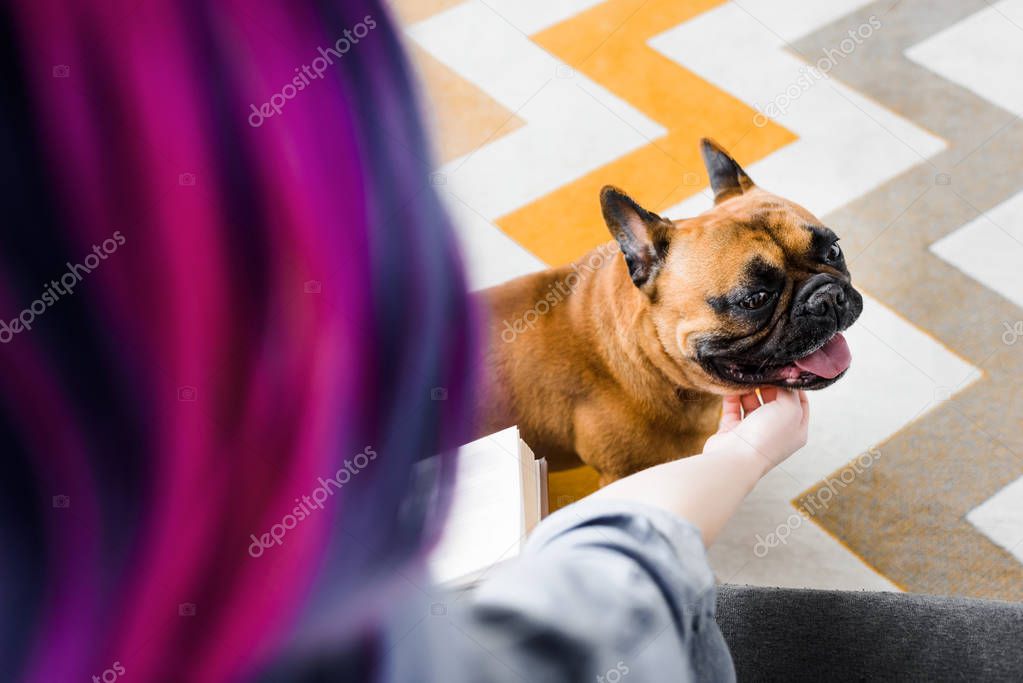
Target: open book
(500,495)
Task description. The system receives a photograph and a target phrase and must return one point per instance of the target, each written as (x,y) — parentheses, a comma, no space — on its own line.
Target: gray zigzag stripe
(906,515)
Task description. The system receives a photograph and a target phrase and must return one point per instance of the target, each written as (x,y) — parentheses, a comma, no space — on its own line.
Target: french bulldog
(620,359)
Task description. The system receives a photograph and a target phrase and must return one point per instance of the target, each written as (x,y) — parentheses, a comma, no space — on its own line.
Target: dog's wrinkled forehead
(748,230)
(750,237)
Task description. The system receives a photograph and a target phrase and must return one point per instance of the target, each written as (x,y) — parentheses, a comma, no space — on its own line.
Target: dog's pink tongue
(829,361)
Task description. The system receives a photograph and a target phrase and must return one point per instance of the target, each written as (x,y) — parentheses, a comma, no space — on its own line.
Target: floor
(898,122)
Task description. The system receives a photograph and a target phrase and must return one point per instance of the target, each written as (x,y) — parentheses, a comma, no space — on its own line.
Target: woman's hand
(768,433)
(707,488)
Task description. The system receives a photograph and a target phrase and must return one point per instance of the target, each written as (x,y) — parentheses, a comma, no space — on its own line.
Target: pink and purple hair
(207,313)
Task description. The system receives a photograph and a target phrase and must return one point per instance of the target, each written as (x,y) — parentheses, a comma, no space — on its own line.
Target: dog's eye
(755,300)
(834,253)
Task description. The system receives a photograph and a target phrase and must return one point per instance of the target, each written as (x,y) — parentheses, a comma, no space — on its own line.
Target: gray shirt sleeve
(603,592)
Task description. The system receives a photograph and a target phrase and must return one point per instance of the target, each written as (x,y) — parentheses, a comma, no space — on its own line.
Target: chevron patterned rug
(896,121)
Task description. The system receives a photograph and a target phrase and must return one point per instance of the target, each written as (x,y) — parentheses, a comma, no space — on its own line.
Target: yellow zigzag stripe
(608,43)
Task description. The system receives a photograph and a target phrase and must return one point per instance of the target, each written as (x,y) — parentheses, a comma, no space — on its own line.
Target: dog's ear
(642,235)
(727,178)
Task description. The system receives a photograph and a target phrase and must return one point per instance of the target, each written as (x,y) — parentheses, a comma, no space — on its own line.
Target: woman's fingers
(731,413)
(736,408)
(750,402)
(789,403)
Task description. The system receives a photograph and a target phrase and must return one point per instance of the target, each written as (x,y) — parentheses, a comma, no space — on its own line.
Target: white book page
(485,523)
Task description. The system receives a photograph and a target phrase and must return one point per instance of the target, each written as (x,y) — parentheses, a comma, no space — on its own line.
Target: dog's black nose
(821,296)
(825,300)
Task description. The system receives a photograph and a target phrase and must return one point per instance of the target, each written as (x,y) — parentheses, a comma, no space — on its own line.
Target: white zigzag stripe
(573,125)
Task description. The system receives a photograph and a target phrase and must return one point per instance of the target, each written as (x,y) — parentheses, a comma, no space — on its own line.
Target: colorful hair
(224,276)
